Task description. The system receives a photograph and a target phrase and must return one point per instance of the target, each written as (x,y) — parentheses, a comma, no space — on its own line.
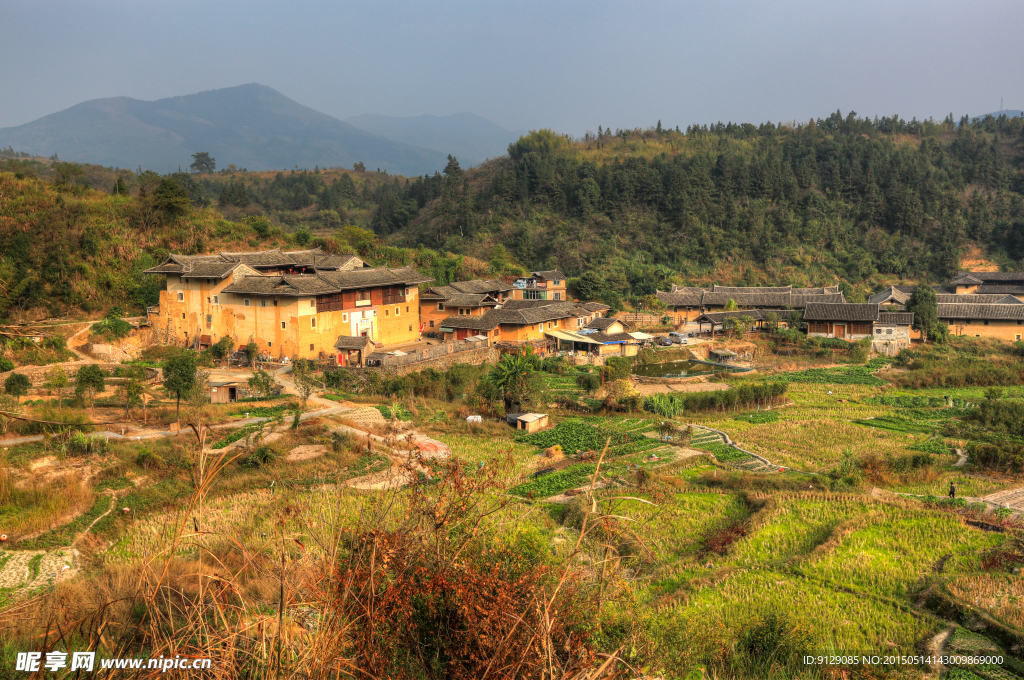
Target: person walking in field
(952,490)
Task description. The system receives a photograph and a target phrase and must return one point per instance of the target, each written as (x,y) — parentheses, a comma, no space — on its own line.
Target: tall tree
(923,304)
(180,376)
(202,162)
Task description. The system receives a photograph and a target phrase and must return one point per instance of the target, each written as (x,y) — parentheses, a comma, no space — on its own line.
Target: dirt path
(113,499)
(72,342)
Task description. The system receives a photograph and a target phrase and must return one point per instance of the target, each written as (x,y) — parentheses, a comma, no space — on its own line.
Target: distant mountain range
(251,126)
(1009,113)
(466,136)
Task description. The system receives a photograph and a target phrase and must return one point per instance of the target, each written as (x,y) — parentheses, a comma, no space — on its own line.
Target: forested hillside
(839,199)
(68,248)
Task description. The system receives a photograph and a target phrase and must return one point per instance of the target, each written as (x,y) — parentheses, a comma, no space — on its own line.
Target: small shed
(224,392)
(721,355)
(531,422)
(351,349)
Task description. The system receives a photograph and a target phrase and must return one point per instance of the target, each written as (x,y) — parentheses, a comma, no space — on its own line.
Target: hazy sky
(567,65)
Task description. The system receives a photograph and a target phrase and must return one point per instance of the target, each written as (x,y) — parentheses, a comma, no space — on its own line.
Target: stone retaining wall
(474,356)
(37,374)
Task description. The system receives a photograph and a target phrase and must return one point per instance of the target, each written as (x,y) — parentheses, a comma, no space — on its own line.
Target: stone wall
(474,356)
(37,374)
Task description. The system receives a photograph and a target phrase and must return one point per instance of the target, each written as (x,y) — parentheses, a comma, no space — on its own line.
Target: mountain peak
(251,125)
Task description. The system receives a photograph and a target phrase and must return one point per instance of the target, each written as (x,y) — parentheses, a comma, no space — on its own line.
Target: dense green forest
(843,198)
(77,239)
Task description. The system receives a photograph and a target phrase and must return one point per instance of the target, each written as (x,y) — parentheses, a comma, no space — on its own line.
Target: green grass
(62,536)
(555,482)
(400,412)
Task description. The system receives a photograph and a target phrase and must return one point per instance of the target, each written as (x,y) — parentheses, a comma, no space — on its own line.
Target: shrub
(260,457)
(616,368)
(1004,456)
(743,395)
(588,382)
(6,365)
(112,327)
(17,385)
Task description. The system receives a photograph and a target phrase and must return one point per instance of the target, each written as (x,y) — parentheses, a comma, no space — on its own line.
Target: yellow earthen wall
(393,324)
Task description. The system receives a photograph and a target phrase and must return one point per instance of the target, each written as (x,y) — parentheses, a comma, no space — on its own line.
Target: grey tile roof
(337,262)
(982,312)
(471,300)
(718,317)
(896,318)
(594,306)
(368,278)
(820,311)
(485,322)
(1000,290)
(747,299)
(324,283)
(261,258)
(611,337)
(350,342)
(973,278)
(549,275)
(976,299)
(800,301)
(751,290)
(209,270)
(680,296)
(480,286)
(824,290)
(603,323)
(891,293)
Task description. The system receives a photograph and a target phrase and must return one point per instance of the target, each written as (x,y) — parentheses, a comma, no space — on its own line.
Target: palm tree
(510,377)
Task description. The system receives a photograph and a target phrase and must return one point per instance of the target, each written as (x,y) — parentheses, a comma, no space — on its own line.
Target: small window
(310,347)
(408,292)
(246,303)
(216,299)
(269,343)
(209,318)
(986,323)
(312,322)
(1017,337)
(263,303)
(440,305)
(888,331)
(410,328)
(207,300)
(312,303)
(344,317)
(181,297)
(283,325)
(387,312)
(183,315)
(407,311)
(397,311)
(431,323)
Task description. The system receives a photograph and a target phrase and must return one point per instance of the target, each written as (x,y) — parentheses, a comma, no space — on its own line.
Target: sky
(569,66)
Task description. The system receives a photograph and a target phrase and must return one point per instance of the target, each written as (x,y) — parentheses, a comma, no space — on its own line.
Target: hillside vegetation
(843,198)
(66,248)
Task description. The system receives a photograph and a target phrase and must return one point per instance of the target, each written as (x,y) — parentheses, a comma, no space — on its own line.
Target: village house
(522,321)
(474,297)
(542,285)
(1001,321)
(889,331)
(988,283)
(291,304)
(690,301)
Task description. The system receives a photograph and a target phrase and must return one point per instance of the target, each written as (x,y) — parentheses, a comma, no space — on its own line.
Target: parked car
(664,342)
(677,338)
